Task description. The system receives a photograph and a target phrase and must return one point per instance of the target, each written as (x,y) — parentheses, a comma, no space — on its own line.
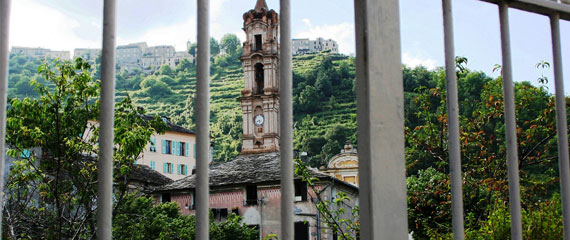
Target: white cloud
(216,8)
(36,25)
(414,60)
(342,33)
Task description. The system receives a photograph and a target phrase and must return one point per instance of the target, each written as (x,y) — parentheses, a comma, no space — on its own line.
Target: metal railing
(380,108)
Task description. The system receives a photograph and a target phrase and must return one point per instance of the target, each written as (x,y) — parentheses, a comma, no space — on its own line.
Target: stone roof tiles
(244,169)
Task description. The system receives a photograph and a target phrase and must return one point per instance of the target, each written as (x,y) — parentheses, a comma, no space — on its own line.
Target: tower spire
(259,5)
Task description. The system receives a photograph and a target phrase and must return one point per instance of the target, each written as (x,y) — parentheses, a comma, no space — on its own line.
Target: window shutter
(187,151)
(178,149)
(178,168)
(164,169)
(152,143)
(172,168)
(194,150)
(185,169)
(163,146)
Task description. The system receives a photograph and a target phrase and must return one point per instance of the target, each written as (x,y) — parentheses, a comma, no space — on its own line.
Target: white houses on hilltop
(305,45)
(130,56)
(40,53)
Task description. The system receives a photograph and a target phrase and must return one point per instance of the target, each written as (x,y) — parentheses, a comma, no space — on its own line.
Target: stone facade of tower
(260,95)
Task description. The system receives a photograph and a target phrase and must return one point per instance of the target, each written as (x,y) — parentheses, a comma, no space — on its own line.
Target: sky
(69,24)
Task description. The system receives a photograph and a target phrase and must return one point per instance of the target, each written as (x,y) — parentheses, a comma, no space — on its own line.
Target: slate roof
(145,174)
(244,169)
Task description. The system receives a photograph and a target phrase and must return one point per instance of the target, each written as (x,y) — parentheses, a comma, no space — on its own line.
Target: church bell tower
(260,95)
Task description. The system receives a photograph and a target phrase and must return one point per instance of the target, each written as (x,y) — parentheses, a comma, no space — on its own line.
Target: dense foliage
(51,191)
(140,218)
(52,185)
(483,152)
(325,117)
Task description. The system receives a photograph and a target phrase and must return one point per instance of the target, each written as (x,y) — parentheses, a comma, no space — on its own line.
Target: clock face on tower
(258,120)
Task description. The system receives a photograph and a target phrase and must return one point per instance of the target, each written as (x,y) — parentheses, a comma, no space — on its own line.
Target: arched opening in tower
(259,82)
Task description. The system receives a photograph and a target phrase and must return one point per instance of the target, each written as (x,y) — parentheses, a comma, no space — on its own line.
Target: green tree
(230,42)
(140,218)
(166,70)
(483,153)
(51,189)
(214,47)
(184,65)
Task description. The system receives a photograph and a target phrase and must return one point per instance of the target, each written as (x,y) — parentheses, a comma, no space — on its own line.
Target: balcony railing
(380,116)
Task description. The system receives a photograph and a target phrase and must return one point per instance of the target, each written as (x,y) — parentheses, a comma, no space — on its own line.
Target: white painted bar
(453,123)
(561,125)
(107,118)
(286,122)
(4,63)
(380,111)
(511,125)
(203,121)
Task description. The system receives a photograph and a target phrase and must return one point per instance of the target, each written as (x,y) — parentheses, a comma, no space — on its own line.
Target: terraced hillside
(226,84)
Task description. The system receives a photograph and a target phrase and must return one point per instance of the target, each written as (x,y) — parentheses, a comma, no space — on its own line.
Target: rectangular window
(153,165)
(183,169)
(181,148)
(350,179)
(300,191)
(220,213)
(165,197)
(192,200)
(168,168)
(301,231)
(251,195)
(152,144)
(168,147)
(257,42)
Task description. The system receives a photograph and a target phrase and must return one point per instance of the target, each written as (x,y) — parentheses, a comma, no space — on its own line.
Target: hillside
(169,92)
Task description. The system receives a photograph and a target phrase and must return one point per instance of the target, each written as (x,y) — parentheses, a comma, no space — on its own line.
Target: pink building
(249,186)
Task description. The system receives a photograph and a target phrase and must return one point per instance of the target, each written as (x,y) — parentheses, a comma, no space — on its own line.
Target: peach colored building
(173,154)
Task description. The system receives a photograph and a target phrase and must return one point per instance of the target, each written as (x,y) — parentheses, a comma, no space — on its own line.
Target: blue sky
(68,24)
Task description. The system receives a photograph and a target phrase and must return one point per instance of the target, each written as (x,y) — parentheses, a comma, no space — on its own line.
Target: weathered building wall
(266,213)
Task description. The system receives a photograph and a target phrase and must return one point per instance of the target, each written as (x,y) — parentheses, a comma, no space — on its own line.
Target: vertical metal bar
(453,121)
(511,125)
(380,111)
(105,164)
(561,124)
(203,120)
(286,122)
(4,62)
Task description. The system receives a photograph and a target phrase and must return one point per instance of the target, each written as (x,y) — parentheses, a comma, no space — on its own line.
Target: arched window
(259,78)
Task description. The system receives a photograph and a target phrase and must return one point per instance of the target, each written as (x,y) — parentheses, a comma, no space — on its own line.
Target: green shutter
(164,168)
(187,151)
(177,151)
(178,168)
(194,150)
(163,146)
(172,168)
